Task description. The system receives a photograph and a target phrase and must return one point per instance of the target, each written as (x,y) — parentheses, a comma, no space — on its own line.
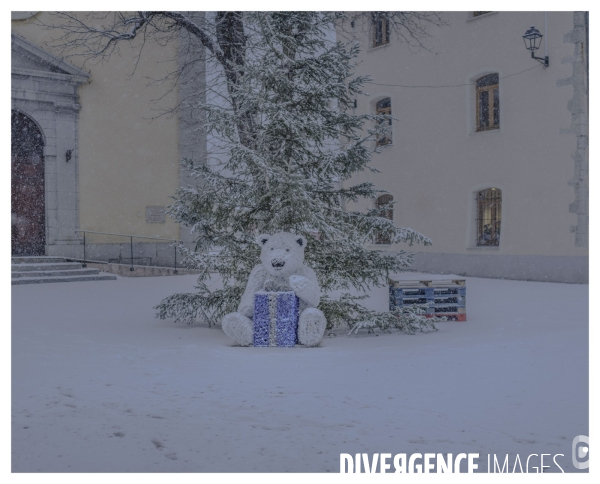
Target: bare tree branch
(98,35)
(410,28)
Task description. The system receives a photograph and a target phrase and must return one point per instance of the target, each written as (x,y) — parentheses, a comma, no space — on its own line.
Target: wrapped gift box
(275,318)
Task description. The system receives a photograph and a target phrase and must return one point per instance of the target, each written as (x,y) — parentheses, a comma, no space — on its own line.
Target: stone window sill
(372,47)
(471,18)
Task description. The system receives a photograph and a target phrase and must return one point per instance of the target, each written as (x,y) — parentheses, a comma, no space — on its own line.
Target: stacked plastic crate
(440,297)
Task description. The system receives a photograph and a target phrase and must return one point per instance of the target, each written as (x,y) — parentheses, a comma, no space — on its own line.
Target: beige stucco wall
(437,160)
(126,160)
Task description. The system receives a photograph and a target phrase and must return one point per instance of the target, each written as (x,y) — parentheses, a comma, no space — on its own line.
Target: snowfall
(99,384)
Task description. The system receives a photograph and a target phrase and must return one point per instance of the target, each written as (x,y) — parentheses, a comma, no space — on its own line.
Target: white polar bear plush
(282,269)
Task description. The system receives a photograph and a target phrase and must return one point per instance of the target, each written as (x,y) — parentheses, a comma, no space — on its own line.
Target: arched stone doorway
(28,205)
(46,89)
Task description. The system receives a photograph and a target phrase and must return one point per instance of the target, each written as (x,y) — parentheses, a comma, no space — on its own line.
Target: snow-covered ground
(99,384)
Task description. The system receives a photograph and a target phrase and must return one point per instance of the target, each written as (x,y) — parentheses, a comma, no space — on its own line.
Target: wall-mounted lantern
(68,155)
(533,39)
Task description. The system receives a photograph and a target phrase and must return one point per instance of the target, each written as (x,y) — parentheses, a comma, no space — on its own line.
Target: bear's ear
(301,241)
(262,239)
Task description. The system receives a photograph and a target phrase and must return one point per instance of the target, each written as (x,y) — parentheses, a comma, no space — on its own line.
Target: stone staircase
(36,270)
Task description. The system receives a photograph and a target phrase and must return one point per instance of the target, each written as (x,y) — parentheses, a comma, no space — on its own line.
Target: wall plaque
(154,215)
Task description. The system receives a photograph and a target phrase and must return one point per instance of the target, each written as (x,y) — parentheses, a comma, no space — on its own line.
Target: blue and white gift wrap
(276,318)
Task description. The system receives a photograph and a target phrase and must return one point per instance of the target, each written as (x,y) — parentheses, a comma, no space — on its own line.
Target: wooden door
(28,207)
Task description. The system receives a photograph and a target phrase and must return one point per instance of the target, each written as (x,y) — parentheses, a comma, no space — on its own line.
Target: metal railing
(131,237)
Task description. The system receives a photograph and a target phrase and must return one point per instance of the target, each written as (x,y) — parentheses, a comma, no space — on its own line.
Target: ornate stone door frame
(44,88)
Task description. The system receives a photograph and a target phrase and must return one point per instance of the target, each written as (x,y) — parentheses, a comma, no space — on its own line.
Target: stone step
(63,266)
(76,272)
(36,260)
(41,280)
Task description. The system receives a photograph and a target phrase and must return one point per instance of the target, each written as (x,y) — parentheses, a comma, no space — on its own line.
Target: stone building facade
(111,160)
(488,154)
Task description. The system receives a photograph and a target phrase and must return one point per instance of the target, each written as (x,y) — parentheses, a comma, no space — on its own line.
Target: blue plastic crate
(440,297)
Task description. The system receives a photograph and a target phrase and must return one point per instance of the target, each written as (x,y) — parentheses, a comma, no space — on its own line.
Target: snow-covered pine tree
(291,145)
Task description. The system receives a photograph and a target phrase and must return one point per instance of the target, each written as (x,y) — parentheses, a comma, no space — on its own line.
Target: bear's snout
(277,263)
